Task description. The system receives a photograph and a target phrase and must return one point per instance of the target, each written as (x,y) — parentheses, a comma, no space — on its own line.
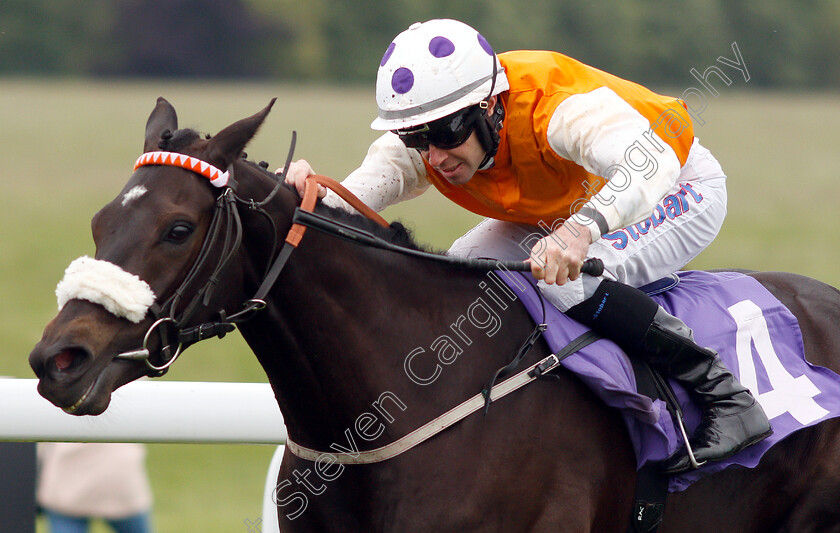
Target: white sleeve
(609,138)
(389,174)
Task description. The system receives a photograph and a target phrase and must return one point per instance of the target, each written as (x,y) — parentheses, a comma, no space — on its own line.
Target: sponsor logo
(672,207)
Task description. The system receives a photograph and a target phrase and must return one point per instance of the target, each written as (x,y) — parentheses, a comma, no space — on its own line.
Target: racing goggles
(445,133)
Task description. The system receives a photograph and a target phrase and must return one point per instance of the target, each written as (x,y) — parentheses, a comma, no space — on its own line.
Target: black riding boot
(732,418)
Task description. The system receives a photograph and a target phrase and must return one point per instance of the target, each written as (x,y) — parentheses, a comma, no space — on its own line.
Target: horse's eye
(179,232)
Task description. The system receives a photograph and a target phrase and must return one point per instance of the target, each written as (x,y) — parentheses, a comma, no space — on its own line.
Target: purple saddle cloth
(756,337)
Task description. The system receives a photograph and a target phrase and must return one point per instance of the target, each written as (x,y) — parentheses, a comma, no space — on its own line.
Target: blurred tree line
(784,43)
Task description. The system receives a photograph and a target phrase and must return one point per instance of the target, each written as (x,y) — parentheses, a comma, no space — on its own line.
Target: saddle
(754,334)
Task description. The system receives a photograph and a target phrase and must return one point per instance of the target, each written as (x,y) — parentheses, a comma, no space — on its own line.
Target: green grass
(67,148)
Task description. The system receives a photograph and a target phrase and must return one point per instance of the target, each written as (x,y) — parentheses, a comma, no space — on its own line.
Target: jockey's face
(458,165)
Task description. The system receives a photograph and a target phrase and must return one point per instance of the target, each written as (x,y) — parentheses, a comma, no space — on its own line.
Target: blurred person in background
(81,482)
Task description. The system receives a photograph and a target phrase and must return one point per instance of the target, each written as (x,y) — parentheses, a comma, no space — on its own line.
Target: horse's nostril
(66,358)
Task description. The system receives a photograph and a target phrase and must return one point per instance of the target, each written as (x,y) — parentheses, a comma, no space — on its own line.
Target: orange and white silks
(567,127)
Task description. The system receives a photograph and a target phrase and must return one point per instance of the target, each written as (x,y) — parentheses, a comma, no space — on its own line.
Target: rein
(166,323)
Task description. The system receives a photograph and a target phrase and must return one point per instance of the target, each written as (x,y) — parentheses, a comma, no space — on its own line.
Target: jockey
(567,162)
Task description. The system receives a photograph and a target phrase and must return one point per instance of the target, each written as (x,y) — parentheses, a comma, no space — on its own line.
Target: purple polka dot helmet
(432,70)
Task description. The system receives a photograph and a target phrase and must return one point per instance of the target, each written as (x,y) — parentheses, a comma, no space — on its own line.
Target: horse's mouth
(69,379)
(73,408)
(75,360)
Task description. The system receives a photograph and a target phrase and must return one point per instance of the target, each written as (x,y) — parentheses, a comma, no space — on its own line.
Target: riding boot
(732,418)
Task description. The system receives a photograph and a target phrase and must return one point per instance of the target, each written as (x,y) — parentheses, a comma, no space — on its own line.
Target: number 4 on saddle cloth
(731,313)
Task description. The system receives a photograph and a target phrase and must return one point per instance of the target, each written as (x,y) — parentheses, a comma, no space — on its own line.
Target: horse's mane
(397,233)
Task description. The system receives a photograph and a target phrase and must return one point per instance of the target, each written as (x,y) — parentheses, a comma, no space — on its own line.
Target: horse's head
(167,233)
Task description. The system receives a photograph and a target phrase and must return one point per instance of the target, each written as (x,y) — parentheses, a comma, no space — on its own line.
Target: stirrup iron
(688,449)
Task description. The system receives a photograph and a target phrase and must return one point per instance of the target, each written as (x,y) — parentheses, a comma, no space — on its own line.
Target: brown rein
(310,198)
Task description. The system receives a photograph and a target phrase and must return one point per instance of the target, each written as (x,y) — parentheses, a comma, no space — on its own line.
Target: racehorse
(349,337)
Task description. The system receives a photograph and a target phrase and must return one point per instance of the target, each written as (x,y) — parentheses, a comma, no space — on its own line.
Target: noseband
(170,328)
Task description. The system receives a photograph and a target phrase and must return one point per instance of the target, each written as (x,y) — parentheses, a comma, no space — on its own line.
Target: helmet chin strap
(487,129)
(489,125)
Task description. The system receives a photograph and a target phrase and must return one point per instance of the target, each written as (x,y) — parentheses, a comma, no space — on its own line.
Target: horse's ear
(227,145)
(163,118)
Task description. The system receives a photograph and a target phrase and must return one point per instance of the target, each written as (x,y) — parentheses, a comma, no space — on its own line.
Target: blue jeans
(59,523)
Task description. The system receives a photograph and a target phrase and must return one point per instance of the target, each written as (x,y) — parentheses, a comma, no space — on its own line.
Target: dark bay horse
(362,346)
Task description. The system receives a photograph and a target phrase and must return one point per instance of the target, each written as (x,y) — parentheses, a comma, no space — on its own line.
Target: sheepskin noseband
(122,294)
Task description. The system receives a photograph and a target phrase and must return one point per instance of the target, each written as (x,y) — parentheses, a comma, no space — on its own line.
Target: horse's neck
(342,324)
(334,338)
(305,337)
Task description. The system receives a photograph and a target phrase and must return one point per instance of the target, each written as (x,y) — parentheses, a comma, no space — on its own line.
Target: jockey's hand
(558,257)
(298,172)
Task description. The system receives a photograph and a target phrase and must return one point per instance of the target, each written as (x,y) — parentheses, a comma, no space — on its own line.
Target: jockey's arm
(600,131)
(609,138)
(389,174)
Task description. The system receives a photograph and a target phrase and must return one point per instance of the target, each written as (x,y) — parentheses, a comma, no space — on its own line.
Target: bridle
(174,335)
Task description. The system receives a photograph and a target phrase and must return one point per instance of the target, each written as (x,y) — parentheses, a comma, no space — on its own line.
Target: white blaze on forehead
(134,193)
(121,293)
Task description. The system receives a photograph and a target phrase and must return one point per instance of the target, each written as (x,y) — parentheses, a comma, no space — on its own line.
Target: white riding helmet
(432,70)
